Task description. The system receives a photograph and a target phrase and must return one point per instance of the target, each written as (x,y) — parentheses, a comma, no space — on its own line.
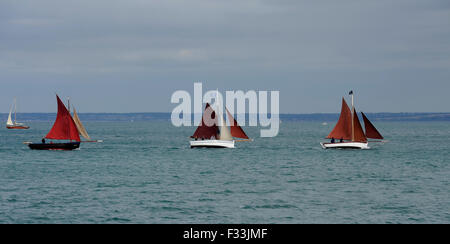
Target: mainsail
(79,125)
(207,131)
(9,122)
(343,128)
(236,130)
(371,131)
(64,127)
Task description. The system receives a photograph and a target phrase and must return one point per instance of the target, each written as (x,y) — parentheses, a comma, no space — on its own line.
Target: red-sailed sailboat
(64,128)
(348,132)
(214,133)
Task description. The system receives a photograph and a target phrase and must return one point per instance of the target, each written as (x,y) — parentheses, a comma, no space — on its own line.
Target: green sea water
(145,172)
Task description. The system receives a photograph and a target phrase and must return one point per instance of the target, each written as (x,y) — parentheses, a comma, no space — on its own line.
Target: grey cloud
(311,47)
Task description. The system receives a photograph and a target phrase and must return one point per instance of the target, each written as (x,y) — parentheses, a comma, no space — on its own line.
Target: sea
(145,172)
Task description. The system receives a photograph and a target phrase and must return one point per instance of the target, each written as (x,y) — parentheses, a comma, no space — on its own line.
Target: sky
(130,56)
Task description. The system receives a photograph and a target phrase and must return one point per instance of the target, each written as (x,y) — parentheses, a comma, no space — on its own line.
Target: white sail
(80,126)
(9,122)
(225,134)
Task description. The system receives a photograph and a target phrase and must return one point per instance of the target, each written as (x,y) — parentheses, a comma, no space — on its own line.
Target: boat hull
(212,144)
(17,127)
(345,145)
(54,146)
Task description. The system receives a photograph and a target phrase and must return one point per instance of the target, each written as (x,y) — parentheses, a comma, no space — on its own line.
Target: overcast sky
(130,56)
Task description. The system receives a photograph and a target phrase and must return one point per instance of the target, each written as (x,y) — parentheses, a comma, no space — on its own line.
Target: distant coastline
(320,117)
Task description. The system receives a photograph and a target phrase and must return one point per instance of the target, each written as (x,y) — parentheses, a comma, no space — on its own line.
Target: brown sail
(343,128)
(236,130)
(371,131)
(79,125)
(204,131)
(359,135)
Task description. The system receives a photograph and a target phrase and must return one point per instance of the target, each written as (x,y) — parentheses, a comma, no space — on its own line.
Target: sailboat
(217,135)
(349,132)
(10,124)
(64,128)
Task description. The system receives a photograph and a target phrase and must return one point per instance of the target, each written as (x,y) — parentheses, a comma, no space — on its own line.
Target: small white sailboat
(10,124)
(349,132)
(218,135)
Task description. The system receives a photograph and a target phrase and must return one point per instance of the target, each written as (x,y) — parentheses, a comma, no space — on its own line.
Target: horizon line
(235,113)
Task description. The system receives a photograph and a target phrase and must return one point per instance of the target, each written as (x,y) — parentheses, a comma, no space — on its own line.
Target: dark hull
(54,146)
(17,127)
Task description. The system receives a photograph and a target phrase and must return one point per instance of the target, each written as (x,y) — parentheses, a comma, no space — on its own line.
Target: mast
(353,115)
(15,110)
(68,104)
(68,109)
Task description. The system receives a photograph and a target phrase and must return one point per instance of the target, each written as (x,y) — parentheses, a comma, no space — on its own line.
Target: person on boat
(43,140)
(332,140)
(341,140)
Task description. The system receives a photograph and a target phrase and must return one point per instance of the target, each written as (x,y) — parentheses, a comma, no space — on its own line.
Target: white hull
(345,145)
(212,143)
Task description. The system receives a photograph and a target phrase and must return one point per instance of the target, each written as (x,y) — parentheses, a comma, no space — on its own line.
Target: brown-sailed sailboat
(348,132)
(215,133)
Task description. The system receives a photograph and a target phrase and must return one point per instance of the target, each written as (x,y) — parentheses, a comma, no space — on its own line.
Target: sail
(64,127)
(359,135)
(204,131)
(343,128)
(80,126)
(236,130)
(371,131)
(9,122)
(225,133)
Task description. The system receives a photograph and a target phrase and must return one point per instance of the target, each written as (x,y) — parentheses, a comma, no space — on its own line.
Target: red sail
(204,131)
(64,127)
(371,131)
(343,128)
(359,135)
(236,130)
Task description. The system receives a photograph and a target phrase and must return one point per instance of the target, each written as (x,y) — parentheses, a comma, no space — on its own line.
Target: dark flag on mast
(351,92)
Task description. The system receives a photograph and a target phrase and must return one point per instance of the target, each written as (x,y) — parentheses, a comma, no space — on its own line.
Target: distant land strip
(320,117)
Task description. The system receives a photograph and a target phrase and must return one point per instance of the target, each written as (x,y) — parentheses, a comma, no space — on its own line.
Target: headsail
(359,135)
(236,130)
(343,128)
(64,127)
(204,131)
(371,131)
(79,125)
